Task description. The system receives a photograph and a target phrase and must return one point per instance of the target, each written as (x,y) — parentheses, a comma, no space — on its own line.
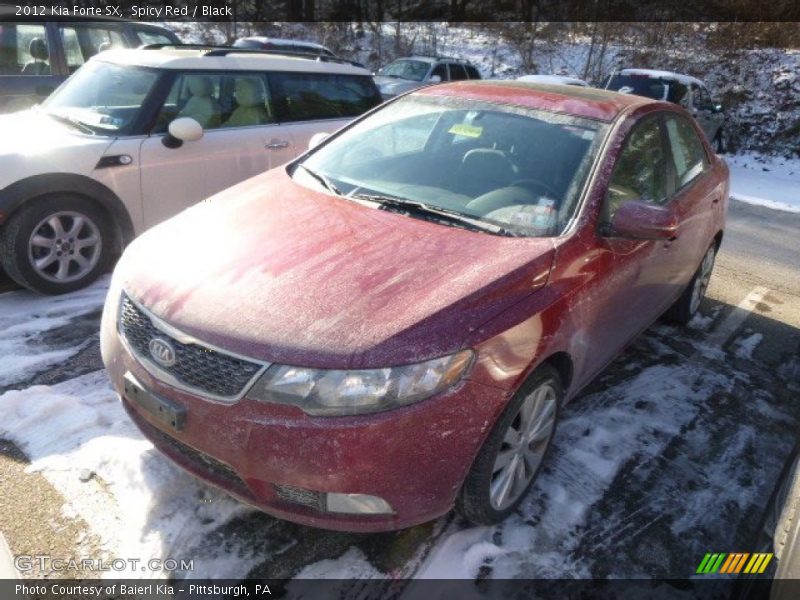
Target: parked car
(269,43)
(406,74)
(136,136)
(389,325)
(689,92)
(553,80)
(35,58)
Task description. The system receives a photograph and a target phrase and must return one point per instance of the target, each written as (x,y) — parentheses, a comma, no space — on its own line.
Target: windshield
(415,70)
(520,169)
(102,97)
(650,87)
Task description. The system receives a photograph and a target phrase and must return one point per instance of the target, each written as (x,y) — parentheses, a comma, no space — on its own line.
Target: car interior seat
(483,170)
(252,106)
(39,55)
(201,106)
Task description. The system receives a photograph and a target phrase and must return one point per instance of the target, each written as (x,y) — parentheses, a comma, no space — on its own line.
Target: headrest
(201,86)
(249,92)
(38,49)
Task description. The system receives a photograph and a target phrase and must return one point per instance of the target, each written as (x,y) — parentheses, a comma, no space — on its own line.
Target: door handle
(277,144)
(716,200)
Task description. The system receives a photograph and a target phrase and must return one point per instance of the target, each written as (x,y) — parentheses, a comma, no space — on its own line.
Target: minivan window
(24,49)
(81,43)
(518,169)
(311,96)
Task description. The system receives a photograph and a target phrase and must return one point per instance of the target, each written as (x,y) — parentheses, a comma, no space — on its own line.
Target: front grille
(197,367)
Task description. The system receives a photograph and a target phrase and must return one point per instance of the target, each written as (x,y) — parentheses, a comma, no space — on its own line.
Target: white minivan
(135,136)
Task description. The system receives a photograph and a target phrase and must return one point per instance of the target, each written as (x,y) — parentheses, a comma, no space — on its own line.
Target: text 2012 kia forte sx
(388,326)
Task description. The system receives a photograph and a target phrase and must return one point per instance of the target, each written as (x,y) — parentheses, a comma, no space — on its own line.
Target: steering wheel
(538,185)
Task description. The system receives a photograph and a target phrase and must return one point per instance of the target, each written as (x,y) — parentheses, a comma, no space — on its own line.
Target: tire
(480,500)
(686,306)
(56,243)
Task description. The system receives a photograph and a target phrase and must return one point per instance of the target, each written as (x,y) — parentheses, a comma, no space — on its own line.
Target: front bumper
(414,458)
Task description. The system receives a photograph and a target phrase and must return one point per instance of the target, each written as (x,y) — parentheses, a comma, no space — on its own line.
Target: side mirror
(317,139)
(435,79)
(182,130)
(643,221)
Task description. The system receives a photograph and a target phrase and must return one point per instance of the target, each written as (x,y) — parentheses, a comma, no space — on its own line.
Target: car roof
(579,101)
(563,79)
(282,41)
(657,74)
(237,59)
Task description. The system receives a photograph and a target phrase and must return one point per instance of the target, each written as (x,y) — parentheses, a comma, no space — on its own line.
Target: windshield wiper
(421,209)
(72,121)
(325,181)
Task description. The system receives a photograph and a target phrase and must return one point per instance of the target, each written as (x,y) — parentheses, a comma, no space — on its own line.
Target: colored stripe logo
(734,563)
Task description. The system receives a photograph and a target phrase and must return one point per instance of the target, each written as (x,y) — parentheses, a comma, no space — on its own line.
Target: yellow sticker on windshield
(466,130)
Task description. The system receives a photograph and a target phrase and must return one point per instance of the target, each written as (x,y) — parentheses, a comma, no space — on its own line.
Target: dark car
(388,326)
(689,92)
(36,57)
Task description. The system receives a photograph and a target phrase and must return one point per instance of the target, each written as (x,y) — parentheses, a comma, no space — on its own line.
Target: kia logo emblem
(162,351)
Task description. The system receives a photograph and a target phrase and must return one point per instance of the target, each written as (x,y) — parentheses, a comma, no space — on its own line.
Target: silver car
(410,73)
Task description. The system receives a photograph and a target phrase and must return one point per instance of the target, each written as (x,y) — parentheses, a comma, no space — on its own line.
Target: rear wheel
(686,306)
(512,455)
(56,244)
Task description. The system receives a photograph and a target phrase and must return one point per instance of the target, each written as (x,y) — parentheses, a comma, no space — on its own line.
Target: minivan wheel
(56,244)
(512,455)
(686,306)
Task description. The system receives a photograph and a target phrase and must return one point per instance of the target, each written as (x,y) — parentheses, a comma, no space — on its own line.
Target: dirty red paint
(278,272)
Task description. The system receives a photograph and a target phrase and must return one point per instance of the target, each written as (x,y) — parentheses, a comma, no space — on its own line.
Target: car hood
(393,85)
(31,143)
(280,272)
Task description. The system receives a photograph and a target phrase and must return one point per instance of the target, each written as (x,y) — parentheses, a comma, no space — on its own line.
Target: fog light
(362,504)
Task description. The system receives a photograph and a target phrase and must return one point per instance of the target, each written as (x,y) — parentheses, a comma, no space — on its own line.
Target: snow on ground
(768,181)
(137,503)
(24,322)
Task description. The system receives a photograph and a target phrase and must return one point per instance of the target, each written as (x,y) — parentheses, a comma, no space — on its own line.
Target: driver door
(241,139)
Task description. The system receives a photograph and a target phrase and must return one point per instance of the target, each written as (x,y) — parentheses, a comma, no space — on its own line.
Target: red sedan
(388,326)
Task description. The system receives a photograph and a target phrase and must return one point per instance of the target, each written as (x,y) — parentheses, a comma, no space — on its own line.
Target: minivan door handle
(277,144)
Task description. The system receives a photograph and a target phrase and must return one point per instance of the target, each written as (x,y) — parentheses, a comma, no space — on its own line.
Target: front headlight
(331,392)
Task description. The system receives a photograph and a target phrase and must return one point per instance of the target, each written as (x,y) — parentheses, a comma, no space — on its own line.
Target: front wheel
(56,244)
(512,455)
(686,306)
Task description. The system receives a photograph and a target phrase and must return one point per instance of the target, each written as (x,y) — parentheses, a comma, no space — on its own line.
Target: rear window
(312,96)
(650,87)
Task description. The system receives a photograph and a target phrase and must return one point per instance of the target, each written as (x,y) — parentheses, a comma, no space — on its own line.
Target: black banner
(407,10)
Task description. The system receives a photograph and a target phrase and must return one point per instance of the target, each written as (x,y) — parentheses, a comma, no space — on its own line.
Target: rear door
(309,103)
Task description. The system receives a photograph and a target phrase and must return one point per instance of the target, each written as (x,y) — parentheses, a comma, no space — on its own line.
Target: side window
(147,37)
(641,169)
(81,43)
(24,50)
(701,97)
(457,72)
(216,100)
(311,96)
(687,150)
(441,71)
(473,72)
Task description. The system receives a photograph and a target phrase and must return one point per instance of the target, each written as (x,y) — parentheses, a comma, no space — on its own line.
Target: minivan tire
(75,240)
(475,500)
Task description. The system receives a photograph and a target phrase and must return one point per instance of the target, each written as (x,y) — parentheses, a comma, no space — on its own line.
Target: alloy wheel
(702,280)
(523,448)
(64,246)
